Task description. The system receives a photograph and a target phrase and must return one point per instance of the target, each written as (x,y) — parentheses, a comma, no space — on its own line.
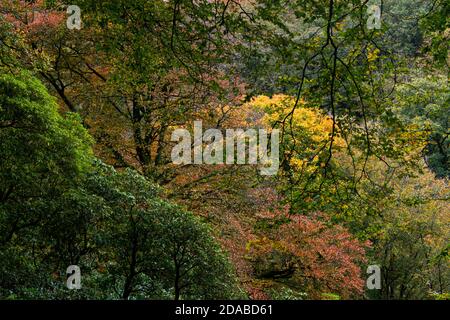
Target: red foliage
(32,17)
(324,258)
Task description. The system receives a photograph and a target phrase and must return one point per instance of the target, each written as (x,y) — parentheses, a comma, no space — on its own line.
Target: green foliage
(58,209)
(285,293)
(32,133)
(42,152)
(128,242)
(436,26)
(401,19)
(424,103)
(156,249)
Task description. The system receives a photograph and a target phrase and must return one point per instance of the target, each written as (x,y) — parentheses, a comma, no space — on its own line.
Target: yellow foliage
(310,126)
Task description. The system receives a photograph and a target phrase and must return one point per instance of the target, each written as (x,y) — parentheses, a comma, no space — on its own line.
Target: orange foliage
(313,254)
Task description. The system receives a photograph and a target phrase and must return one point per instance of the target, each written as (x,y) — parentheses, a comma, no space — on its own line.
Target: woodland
(87,112)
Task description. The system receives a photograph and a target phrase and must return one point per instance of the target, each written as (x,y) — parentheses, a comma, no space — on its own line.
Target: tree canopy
(87,116)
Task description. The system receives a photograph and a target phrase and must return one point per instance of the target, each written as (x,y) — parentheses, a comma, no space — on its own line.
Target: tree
(362,113)
(156,249)
(42,152)
(129,88)
(43,156)
(60,206)
(310,256)
(424,102)
(410,247)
